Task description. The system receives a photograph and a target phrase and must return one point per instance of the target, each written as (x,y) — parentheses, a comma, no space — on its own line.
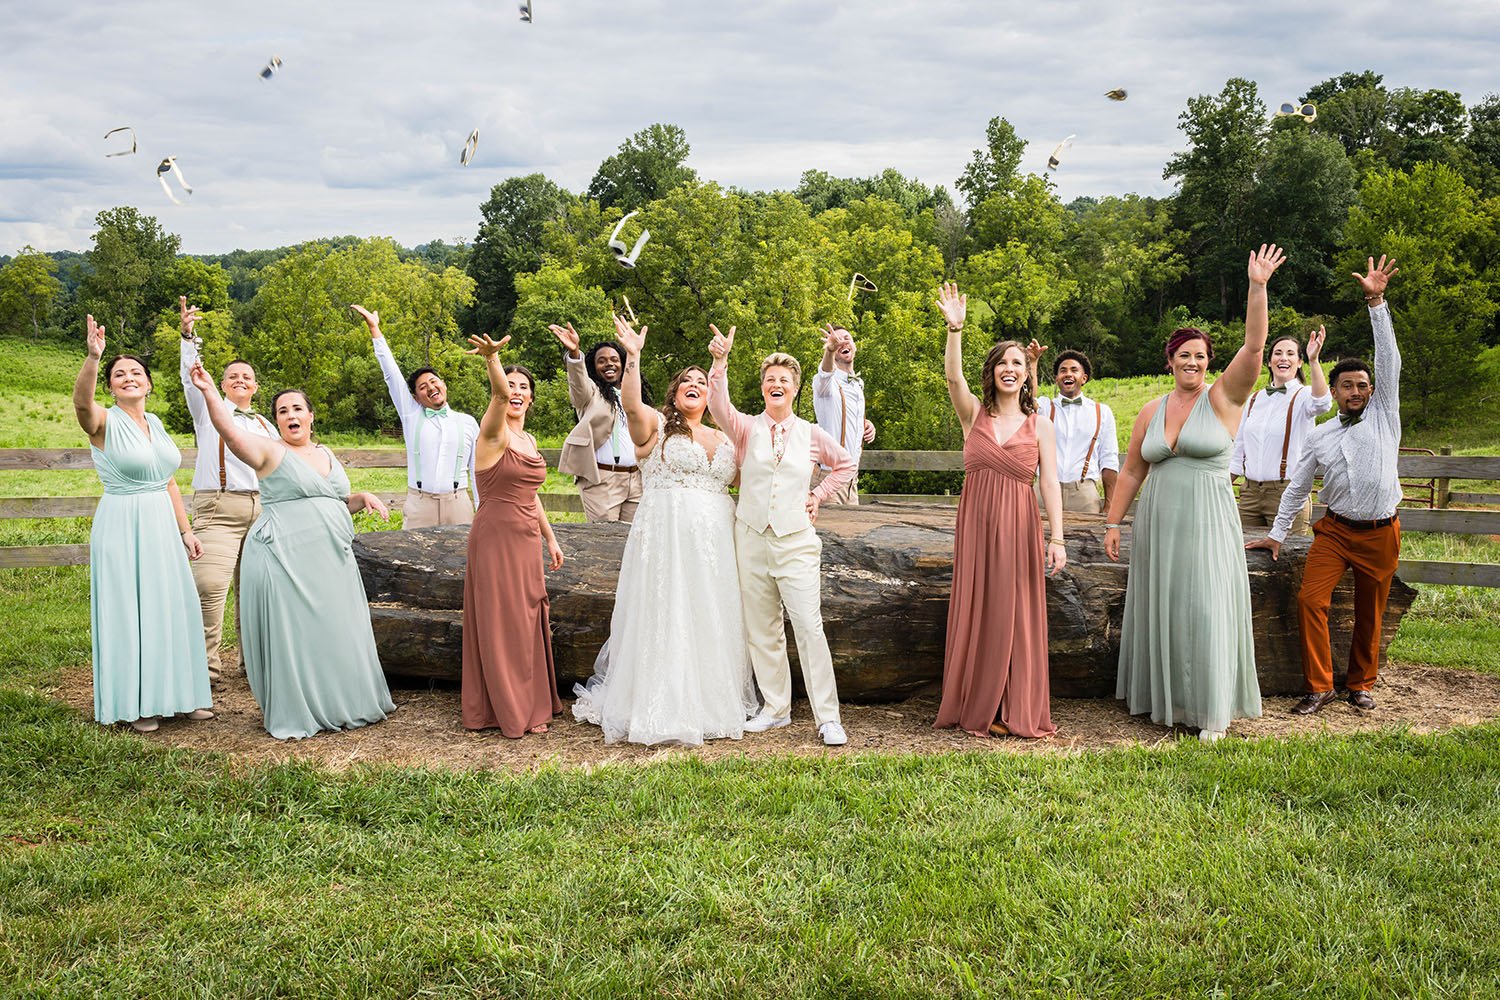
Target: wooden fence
(1434,471)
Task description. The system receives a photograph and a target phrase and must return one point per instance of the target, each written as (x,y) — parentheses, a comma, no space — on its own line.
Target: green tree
(127,283)
(995,167)
(648,165)
(820,191)
(509,243)
(28,289)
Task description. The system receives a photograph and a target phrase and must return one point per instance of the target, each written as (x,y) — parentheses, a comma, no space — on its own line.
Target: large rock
(887,573)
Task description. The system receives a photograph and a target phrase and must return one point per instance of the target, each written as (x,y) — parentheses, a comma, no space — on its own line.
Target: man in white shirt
(839,405)
(439,440)
(1273,428)
(1088,450)
(1356,455)
(226,494)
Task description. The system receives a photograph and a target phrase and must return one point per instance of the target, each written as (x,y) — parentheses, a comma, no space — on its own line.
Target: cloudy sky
(360,131)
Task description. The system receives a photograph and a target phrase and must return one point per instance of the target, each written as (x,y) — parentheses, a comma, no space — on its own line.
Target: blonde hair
(779,359)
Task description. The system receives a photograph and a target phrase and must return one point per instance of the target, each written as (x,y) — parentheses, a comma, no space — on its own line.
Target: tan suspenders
(1088,456)
(1286,434)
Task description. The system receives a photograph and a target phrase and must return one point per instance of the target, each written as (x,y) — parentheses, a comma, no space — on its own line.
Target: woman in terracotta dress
(508,679)
(995,666)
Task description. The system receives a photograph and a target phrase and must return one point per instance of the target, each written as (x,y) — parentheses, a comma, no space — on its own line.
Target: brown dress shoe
(1313,702)
(1362,699)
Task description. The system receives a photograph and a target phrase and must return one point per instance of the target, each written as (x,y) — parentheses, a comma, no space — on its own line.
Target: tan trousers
(426,510)
(848,495)
(221,521)
(1080,498)
(613,498)
(1259,502)
(776,572)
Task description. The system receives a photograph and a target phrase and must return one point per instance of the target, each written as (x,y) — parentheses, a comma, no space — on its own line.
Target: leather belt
(606,467)
(1349,522)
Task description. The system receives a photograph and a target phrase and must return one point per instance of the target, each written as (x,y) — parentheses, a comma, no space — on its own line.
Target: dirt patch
(424,731)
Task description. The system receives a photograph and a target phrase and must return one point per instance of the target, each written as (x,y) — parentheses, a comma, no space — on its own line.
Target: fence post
(1441,499)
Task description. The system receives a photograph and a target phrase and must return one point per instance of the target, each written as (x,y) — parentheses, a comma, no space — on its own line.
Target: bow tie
(244,413)
(1272,390)
(1075,401)
(1349,419)
(435,414)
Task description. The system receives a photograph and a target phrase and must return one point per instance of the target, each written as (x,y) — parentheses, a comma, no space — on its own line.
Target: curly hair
(609,391)
(991,394)
(676,423)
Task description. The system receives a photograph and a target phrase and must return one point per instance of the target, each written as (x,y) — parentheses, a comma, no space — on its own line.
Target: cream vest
(774,494)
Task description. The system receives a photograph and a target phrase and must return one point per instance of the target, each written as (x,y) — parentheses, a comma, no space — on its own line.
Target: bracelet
(185,531)
(955,329)
(1055,541)
(1117,527)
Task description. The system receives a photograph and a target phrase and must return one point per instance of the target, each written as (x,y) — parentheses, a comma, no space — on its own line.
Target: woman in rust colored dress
(508,679)
(995,665)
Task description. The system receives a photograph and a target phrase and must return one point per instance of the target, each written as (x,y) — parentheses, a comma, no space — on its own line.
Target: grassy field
(1356,867)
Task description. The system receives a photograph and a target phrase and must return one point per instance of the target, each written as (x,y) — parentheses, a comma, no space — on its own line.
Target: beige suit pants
(427,510)
(848,495)
(1259,502)
(221,521)
(613,498)
(1080,498)
(776,572)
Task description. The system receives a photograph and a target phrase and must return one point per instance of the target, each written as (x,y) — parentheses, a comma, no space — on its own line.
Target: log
(887,573)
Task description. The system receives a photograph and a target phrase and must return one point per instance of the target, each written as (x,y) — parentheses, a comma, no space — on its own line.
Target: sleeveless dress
(995,661)
(675,668)
(1187,650)
(305,630)
(149,657)
(508,677)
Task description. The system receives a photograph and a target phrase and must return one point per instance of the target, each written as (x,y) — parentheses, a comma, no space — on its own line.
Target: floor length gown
(995,662)
(676,668)
(1187,649)
(149,657)
(508,676)
(305,630)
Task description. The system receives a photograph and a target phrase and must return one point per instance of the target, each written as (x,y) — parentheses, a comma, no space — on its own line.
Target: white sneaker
(1210,735)
(833,734)
(763,721)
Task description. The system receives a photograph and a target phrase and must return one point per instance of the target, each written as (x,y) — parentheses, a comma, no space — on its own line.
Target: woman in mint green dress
(305,634)
(149,658)
(1187,649)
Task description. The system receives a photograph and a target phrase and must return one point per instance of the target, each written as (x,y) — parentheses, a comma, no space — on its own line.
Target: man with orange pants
(1356,456)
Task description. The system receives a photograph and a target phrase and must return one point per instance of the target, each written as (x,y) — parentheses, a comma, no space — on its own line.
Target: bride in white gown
(675,668)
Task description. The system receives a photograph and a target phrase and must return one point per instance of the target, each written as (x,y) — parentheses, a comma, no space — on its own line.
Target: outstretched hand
(1315,344)
(202,381)
(486,346)
(1376,276)
(722,343)
(1034,352)
(629,339)
(1264,262)
(566,336)
(371,318)
(189,315)
(952,305)
(95,339)
(1269,544)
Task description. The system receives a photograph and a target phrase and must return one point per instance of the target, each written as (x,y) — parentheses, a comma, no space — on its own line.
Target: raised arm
(262,454)
(494,432)
(954,307)
(1318,379)
(730,420)
(188,357)
(1034,352)
(640,418)
(390,371)
(581,388)
(830,341)
(1386,398)
(1233,388)
(1129,481)
(91,415)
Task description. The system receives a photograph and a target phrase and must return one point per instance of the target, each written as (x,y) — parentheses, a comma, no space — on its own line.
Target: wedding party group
(723,550)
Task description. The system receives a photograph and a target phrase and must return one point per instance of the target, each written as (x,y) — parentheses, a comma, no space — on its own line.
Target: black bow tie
(1349,419)
(1272,390)
(1075,401)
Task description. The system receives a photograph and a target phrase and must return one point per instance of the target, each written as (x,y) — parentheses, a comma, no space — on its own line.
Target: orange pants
(1372,554)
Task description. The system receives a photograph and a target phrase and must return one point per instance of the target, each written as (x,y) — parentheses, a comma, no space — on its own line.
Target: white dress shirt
(839,405)
(619,449)
(1357,461)
(442,441)
(1074,426)
(1263,428)
(237,475)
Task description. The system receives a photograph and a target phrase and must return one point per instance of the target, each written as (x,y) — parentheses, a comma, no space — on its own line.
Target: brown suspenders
(1286,435)
(223,473)
(1098,422)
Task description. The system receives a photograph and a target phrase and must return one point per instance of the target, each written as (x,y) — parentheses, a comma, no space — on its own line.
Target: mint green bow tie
(1272,390)
(434,414)
(244,413)
(1349,419)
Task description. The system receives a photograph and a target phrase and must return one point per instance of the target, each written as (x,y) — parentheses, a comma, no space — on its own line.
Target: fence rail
(1441,468)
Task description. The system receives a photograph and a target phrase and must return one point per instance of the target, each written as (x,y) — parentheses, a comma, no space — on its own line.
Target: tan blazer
(596,420)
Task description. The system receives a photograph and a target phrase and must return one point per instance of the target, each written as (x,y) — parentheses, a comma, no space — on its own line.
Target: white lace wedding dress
(675,668)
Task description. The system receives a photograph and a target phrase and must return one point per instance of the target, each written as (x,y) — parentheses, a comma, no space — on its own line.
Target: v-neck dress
(995,662)
(1187,648)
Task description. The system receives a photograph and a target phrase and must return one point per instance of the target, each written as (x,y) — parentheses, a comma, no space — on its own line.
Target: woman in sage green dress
(305,634)
(149,658)
(1187,649)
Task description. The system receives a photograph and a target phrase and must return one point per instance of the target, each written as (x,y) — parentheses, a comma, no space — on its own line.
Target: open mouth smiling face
(431,392)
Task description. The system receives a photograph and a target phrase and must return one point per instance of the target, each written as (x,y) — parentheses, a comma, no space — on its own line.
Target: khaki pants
(1080,498)
(1259,502)
(426,510)
(848,495)
(613,498)
(220,520)
(786,571)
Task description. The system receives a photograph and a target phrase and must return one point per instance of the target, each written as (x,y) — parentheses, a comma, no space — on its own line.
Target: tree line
(1414,174)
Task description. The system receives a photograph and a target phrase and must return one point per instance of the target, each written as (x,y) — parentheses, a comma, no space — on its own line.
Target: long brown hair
(987,378)
(676,423)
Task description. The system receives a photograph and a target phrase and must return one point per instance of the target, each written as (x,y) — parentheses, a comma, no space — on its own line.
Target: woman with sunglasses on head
(1187,649)
(147,624)
(305,634)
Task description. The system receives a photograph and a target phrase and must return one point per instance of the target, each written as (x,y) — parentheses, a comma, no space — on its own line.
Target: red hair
(1184,334)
